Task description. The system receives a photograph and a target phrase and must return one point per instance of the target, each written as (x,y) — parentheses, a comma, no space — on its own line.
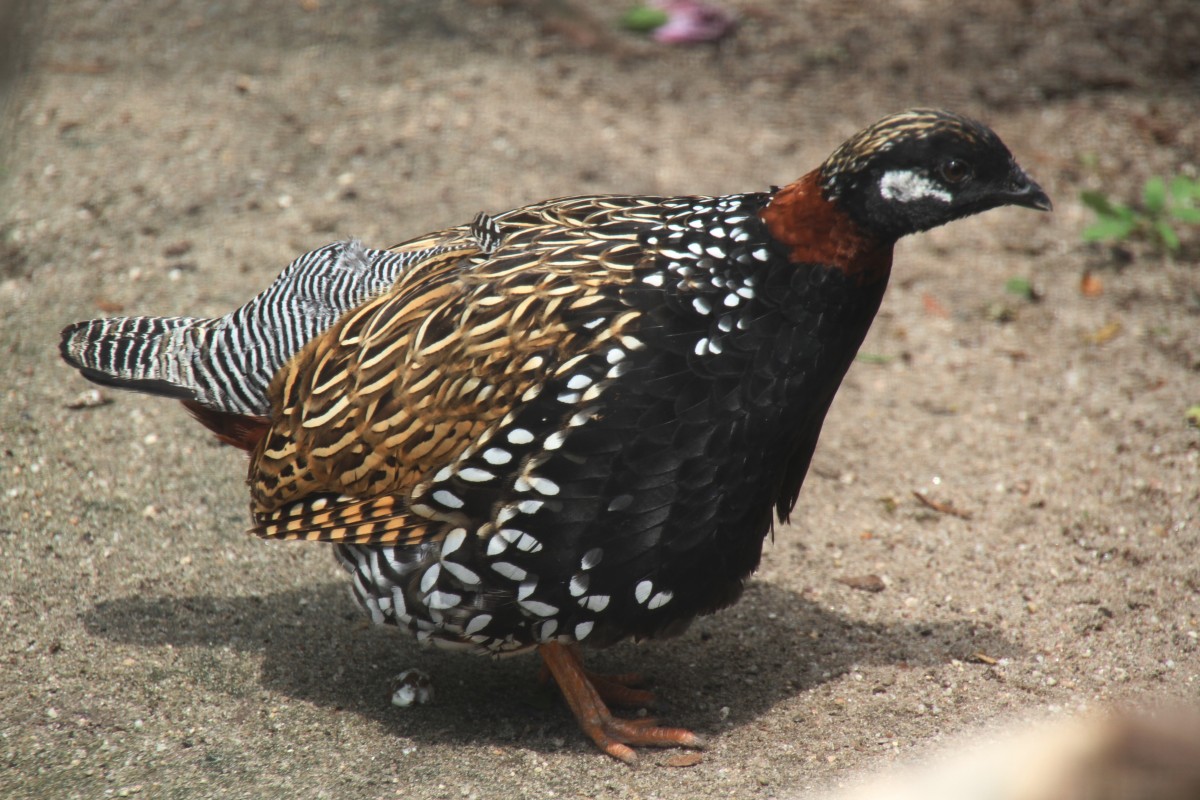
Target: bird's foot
(586,699)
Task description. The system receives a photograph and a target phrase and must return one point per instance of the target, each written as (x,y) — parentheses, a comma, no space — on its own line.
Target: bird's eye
(954,170)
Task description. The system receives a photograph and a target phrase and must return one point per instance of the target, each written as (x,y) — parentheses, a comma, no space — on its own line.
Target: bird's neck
(815,231)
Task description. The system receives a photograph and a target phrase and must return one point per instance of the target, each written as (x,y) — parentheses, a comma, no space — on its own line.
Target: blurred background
(1003,513)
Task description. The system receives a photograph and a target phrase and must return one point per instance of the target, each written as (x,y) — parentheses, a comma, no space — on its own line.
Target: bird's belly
(636,551)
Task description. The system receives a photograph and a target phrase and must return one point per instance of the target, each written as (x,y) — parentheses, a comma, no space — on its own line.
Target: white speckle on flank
(547,629)
(448,499)
(531,393)
(496,546)
(430,577)
(654,279)
(544,486)
(526,589)
(580,418)
(555,440)
(477,623)
(579,382)
(509,570)
(474,475)
(696,248)
(538,607)
(468,576)
(761,254)
(583,629)
(529,544)
(725,324)
(579,584)
(746,292)
(614,355)
(701,304)
(569,398)
(715,252)
(732,300)
(453,541)
(530,506)
(631,342)
(905,185)
(591,558)
(443,600)
(642,591)
(443,474)
(595,602)
(521,485)
(496,456)
(505,514)
(701,347)
(592,324)
(717,232)
(660,599)
(398,600)
(520,436)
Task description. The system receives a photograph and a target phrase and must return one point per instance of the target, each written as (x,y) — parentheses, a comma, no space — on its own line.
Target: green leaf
(1185,214)
(1108,228)
(1020,287)
(1099,203)
(1154,195)
(1166,234)
(1184,189)
(643,19)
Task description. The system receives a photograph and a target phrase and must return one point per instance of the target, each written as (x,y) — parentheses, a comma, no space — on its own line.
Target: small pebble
(411,687)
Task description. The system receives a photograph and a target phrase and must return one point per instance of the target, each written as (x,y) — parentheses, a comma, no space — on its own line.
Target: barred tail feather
(137,353)
(226,364)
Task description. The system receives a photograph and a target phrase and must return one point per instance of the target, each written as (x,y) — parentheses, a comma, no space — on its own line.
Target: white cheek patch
(905,186)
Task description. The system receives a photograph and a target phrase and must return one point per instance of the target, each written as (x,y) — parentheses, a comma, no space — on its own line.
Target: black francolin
(569,423)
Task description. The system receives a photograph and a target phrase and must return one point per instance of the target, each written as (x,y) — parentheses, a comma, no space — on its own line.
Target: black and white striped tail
(138,353)
(226,364)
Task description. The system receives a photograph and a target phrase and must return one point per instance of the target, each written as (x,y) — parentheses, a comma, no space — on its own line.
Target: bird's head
(918,169)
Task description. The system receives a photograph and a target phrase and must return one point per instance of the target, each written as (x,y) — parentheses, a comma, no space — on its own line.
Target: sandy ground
(171,157)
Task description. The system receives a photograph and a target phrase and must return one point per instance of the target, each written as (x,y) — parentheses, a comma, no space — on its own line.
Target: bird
(568,424)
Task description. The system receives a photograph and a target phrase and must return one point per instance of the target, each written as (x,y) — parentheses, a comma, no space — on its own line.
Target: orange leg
(611,734)
(615,690)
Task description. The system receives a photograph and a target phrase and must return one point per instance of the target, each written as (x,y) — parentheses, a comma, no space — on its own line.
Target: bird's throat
(815,231)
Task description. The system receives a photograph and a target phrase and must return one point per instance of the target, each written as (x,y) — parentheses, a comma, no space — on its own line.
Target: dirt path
(172,160)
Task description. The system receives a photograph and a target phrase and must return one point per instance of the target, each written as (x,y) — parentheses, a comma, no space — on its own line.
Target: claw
(586,698)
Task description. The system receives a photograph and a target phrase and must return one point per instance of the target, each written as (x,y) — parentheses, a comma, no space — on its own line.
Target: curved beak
(1024,191)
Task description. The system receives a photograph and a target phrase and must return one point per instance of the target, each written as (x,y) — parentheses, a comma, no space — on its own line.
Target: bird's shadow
(315,648)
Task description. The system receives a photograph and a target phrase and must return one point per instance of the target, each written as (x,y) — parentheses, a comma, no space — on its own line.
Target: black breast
(666,495)
(634,490)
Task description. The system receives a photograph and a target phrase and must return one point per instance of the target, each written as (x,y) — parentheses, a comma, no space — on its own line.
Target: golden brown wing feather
(410,381)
